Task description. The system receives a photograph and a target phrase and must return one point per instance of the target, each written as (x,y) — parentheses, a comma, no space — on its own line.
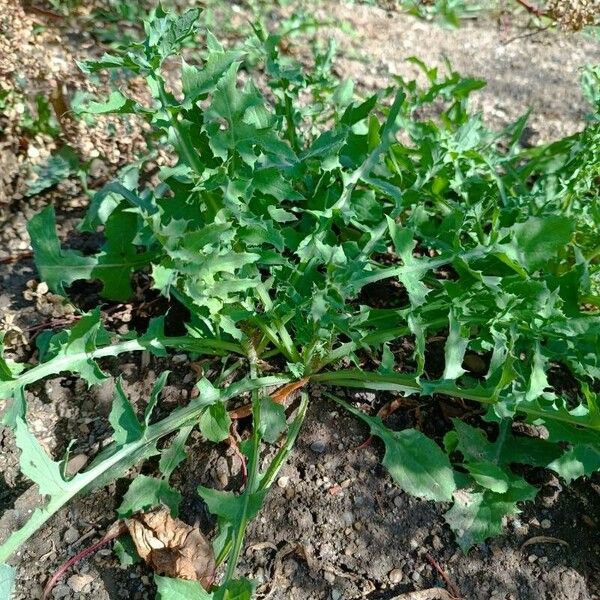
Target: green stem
(69,362)
(118,459)
(251,484)
(278,461)
(290,125)
(408,383)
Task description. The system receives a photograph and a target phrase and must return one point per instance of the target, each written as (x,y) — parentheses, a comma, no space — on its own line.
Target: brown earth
(334,527)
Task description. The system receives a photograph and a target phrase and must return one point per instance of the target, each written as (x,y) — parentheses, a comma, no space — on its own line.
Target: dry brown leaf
(171,547)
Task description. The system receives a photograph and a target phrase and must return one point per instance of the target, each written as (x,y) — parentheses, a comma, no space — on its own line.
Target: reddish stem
(452,587)
(113,533)
(236,450)
(533,9)
(53,323)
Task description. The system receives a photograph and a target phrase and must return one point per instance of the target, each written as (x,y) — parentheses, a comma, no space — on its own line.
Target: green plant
(274,227)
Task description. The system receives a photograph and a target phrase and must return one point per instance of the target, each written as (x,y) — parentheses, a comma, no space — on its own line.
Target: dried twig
(544,539)
(15,258)
(452,587)
(113,533)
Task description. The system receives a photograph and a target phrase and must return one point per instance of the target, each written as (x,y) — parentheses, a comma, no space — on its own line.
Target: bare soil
(334,527)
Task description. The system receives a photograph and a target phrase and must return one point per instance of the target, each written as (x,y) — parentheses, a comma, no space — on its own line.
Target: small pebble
(318,446)
(61,591)
(532,558)
(348,518)
(437,543)
(336,594)
(71,535)
(283,482)
(396,576)
(179,358)
(79,582)
(546,524)
(329,577)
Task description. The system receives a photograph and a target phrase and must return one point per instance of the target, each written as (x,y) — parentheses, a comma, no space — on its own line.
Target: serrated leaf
(208,393)
(489,476)
(69,351)
(248,122)
(538,381)
(215,423)
(230,507)
(272,420)
(199,81)
(577,462)
(174,454)
(116,103)
(36,464)
(113,265)
(536,242)
(58,167)
(476,516)
(413,272)
(57,267)
(415,462)
(454,350)
(157,388)
(123,418)
(119,257)
(147,492)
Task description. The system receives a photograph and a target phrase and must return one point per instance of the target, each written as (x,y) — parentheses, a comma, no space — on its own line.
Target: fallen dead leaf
(172,547)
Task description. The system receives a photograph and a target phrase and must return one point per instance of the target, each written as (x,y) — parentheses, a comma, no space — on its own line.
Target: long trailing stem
(63,363)
(119,459)
(408,383)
